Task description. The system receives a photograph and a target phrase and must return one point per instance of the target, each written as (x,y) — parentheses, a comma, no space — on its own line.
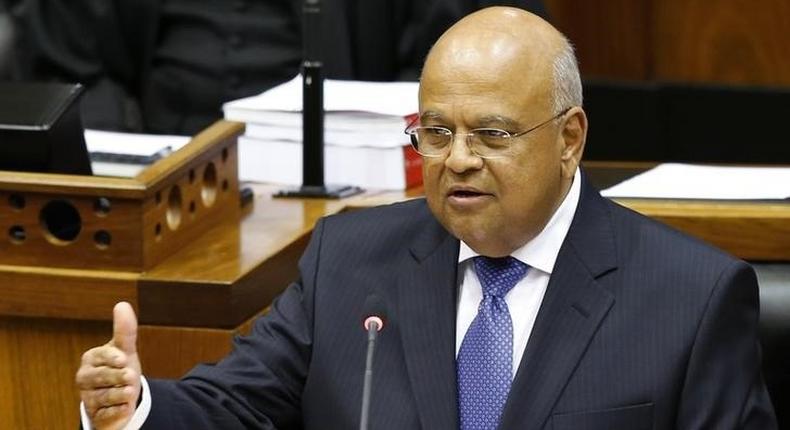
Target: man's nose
(461,158)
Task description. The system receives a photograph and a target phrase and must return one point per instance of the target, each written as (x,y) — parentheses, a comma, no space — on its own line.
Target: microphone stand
(313,115)
(367,384)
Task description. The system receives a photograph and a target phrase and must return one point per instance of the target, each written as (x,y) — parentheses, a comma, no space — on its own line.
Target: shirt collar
(541,252)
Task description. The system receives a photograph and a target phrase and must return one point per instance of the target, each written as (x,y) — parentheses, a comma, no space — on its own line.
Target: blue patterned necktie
(485,360)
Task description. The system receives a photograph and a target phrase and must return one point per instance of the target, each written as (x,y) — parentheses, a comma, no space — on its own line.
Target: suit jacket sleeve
(724,386)
(259,384)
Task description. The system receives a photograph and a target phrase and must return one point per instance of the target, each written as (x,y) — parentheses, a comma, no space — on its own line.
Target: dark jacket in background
(115,48)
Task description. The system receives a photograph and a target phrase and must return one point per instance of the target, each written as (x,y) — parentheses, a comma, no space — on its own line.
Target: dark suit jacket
(641,327)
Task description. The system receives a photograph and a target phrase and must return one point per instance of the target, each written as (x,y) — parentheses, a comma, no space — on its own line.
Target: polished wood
(185,347)
(722,41)
(38,361)
(703,41)
(64,293)
(121,224)
(758,231)
(51,183)
(39,358)
(205,175)
(613,39)
(752,230)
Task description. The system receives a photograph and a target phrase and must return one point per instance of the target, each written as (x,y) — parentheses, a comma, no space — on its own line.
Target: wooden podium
(216,269)
(171,241)
(214,272)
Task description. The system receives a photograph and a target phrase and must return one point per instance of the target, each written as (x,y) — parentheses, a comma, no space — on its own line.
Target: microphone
(373,318)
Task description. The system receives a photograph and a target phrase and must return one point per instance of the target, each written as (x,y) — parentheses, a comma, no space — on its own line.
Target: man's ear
(573,136)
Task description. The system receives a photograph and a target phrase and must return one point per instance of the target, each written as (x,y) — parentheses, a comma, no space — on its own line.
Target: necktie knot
(499,275)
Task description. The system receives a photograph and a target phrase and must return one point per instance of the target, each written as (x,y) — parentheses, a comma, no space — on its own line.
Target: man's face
(494,205)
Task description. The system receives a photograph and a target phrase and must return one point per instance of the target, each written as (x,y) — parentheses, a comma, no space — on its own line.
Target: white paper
(385,98)
(688,181)
(129,144)
(119,170)
(394,137)
(132,143)
(280,162)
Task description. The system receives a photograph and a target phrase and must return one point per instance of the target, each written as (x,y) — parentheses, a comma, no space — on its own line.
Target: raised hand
(109,377)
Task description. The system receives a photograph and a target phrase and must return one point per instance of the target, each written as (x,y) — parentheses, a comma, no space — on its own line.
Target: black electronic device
(41,128)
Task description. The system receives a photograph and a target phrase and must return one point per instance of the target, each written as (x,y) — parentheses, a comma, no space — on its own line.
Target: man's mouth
(462,191)
(466,197)
(465,193)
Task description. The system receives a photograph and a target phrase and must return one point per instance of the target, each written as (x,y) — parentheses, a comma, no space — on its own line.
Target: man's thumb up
(109,377)
(124,328)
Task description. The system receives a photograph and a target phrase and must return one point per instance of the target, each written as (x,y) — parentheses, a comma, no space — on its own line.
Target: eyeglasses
(434,141)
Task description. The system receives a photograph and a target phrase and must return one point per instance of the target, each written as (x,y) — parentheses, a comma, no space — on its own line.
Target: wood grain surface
(738,42)
(121,224)
(722,41)
(613,39)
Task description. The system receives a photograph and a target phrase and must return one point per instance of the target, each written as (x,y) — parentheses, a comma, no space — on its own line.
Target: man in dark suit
(516,296)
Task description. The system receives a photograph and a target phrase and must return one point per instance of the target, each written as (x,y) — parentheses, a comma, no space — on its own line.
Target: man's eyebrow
(498,121)
(429,114)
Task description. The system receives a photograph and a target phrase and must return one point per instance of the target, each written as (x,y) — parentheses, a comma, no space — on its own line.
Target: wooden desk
(752,230)
(191,305)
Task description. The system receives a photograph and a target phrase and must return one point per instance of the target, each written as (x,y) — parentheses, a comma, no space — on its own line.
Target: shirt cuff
(140,414)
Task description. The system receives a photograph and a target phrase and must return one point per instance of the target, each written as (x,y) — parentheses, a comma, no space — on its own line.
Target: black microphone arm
(313,113)
(312,98)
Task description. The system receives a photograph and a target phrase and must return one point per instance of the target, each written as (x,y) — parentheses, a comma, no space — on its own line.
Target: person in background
(6,41)
(166,66)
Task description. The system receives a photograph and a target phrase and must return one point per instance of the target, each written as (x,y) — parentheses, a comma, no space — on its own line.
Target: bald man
(516,296)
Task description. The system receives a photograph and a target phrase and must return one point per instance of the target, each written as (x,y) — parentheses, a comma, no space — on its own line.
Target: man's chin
(476,238)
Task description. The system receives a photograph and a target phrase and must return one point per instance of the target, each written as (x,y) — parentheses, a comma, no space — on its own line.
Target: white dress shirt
(524,299)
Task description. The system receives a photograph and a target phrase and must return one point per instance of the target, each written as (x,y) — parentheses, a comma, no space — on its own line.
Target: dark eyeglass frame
(413,128)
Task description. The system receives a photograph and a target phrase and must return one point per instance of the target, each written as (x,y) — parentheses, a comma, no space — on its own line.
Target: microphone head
(373,311)
(373,320)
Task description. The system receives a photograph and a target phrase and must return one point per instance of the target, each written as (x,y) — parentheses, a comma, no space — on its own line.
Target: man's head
(502,68)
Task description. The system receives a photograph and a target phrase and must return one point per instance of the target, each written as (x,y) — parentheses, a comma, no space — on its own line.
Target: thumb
(124,328)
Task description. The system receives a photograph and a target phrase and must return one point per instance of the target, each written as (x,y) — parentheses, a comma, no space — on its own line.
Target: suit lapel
(572,310)
(427,302)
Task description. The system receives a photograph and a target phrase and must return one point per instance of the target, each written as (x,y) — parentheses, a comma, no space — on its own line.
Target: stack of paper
(688,181)
(364,143)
